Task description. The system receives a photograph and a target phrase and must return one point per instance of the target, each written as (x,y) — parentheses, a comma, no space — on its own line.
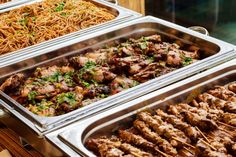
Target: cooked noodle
(33,24)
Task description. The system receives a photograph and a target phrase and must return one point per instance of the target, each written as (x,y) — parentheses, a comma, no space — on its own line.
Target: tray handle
(199,29)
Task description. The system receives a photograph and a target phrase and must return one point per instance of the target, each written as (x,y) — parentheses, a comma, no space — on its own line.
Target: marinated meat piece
(121,83)
(223,93)
(80,61)
(97,91)
(98,74)
(164,129)
(190,131)
(155,138)
(228,106)
(69,101)
(138,141)
(134,151)
(232,87)
(12,82)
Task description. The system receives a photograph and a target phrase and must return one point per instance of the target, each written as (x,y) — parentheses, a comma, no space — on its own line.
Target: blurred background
(217,16)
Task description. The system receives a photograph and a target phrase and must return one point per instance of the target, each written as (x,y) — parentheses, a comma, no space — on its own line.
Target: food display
(204,127)
(42,21)
(81,80)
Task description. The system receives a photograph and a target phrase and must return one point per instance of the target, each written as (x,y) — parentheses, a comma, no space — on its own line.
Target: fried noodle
(42,21)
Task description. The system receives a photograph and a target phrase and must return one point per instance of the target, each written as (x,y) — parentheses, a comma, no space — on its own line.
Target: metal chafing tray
(34,128)
(122,15)
(12,3)
(75,135)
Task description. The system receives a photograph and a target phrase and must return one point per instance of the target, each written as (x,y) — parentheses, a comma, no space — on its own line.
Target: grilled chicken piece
(164,129)
(80,61)
(97,91)
(223,93)
(46,71)
(155,138)
(69,101)
(227,106)
(98,74)
(190,131)
(12,82)
(122,83)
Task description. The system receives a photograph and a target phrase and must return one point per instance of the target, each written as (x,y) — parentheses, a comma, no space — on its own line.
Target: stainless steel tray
(12,3)
(122,15)
(216,52)
(107,122)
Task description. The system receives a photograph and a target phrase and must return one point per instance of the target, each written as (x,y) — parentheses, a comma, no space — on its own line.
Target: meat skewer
(190,131)
(140,142)
(164,129)
(155,138)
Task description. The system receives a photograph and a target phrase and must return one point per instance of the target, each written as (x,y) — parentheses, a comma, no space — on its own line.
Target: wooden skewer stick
(208,145)
(228,132)
(187,144)
(230,126)
(202,134)
(135,154)
(162,153)
(188,150)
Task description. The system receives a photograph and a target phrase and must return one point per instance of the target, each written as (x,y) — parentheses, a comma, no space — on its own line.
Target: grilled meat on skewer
(190,131)
(222,92)
(227,106)
(155,138)
(192,118)
(138,141)
(164,129)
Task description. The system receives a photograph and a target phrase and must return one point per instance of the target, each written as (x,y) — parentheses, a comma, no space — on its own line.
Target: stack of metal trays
(72,139)
(121,15)
(33,128)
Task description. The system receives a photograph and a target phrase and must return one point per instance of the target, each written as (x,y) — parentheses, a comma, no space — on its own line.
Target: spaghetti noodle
(42,21)
(4,1)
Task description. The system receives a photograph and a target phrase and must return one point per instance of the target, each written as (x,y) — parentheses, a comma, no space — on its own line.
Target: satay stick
(162,153)
(187,144)
(226,125)
(188,150)
(203,134)
(135,154)
(208,145)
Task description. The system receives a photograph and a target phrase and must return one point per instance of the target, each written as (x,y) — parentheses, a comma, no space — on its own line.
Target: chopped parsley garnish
(54,78)
(88,65)
(60,7)
(23,21)
(68,77)
(32,95)
(85,84)
(69,98)
(187,61)
(143,45)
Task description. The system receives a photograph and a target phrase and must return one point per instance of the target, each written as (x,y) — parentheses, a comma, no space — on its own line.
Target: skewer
(188,150)
(187,144)
(203,134)
(208,145)
(228,132)
(162,153)
(226,125)
(135,154)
